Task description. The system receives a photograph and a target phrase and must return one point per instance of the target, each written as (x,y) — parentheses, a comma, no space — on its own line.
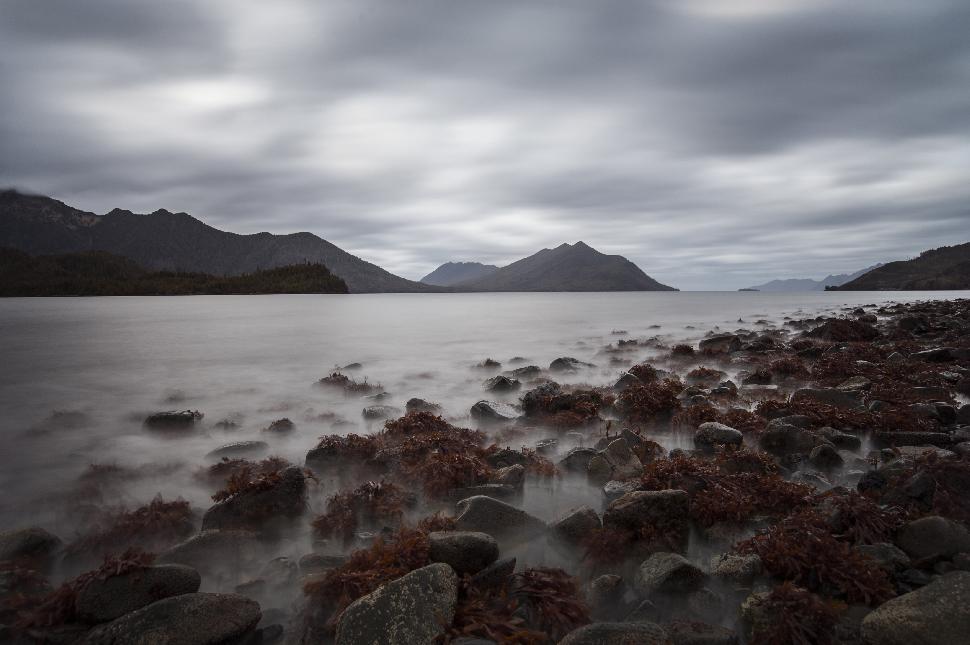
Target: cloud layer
(716,144)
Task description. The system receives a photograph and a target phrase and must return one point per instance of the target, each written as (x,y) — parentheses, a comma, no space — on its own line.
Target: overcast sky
(715,143)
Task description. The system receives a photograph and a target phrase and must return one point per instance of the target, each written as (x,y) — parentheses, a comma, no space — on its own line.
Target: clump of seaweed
(945,480)
(844,330)
(226,468)
(551,406)
(645,372)
(794,616)
(743,420)
(650,402)
(789,367)
(705,376)
(153,527)
(682,350)
(856,519)
(368,504)
(348,385)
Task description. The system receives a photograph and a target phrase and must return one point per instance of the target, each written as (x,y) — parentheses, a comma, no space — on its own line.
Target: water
(256,359)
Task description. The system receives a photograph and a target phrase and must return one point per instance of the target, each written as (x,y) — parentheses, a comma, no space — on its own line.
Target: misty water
(80,374)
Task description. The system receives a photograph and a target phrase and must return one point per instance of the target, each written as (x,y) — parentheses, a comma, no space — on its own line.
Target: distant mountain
(808,284)
(947,267)
(451,273)
(165,241)
(97,273)
(575,267)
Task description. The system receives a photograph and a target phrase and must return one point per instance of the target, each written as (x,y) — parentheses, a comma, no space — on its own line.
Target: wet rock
(617,634)
(933,536)
(495,491)
(412,610)
(506,457)
(667,573)
(513,476)
(567,364)
(684,632)
(605,596)
(827,396)
(104,599)
(577,525)
(502,384)
(825,457)
(33,547)
(936,613)
(935,355)
(785,440)
(239,449)
(527,373)
(888,556)
(493,411)
(214,551)
(173,420)
(378,412)
(713,434)
(489,364)
(721,343)
(640,510)
(187,618)
(280,426)
(281,499)
(855,384)
(420,405)
(617,461)
(495,575)
(624,381)
(577,460)
(466,551)
(504,522)
(735,568)
(841,440)
(614,490)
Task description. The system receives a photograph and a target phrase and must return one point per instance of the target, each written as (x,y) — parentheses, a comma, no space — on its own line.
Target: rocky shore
(805,483)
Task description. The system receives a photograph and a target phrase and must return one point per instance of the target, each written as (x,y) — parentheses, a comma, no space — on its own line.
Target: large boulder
(576,525)
(712,434)
(567,364)
(189,619)
(465,551)
(280,497)
(616,461)
(937,614)
(721,343)
(32,547)
(502,383)
(639,510)
(933,535)
(667,573)
(617,634)
(412,610)
(504,522)
(577,460)
(492,411)
(735,568)
(105,599)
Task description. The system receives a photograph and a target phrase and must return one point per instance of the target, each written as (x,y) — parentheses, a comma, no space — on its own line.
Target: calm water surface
(111,361)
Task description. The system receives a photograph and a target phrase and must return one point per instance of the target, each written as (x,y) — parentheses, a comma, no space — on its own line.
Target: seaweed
(155,526)
(348,385)
(645,372)
(792,616)
(650,402)
(370,503)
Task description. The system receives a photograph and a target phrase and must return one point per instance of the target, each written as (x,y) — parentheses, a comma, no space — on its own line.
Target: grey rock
(712,434)
(933,535)
(828,396)
(412,610)
(605,596)
(888,556)
(502,383)
(504,522)
(736,568)
(466,551)
(493,411)
(33,546)
(239,449)
(684,632)
(104,599)
(721,343)
(617,634)
(173,420)
(567,364)
(617,461)
(378,412)
(825,457)
(255,509)
(614,490)
(936,614)
(667,573)
(644,509)
(420,405)
(510,476)
(578,524)
(494,575)
(214,551)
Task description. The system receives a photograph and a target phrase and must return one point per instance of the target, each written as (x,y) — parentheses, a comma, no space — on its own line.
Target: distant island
(452,273)
(97,273)
(810,284)
(947,267)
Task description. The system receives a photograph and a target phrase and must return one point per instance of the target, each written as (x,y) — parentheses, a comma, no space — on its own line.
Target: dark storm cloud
(715,143)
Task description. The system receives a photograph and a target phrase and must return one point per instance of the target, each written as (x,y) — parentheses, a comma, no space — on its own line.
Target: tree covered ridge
(98,273)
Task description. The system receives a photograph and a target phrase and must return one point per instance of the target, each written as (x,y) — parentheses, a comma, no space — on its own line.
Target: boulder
(527,372)
(104,599)
(239,449)
(888,556)
(578,524)
(614,490)
(492,411)
(936,614)
(33,547)
(193,618)
(712,434)
(721,343)
(214,551)
(567,364)
(617,634)
(577,460)
(688,632)
(933,535)
(667,573)
(780,439)
(504,522)
(494,575)
(420,405)
(466,551)
(513,476)
(282,498)
(616,461)
(412,610)
(624,381)
(646,509)
(825,457)
(735,568)
(828,396)
(502,384)
(378,412)
(173,420)
(605,597)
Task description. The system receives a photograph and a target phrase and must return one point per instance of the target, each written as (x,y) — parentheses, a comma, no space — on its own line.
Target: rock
(280,426)
(617,461)
(547,447)
(624,381)
(578,524)
(605,596)
(495,575)
(934,614)
(466,551)
(173,420)
(785,440)
(828,396)
(933,536)
(935,355)
(251,509)
(502,384)
(420,405)
(684,632)
(888,556)
(378,412)
(667,573)
(892,439)
(412,610)
(712,434)
(841,440)
(513,476)
(567,364)
(735,568)
(825,457)
(721,343)
(504,522)
(104,599)
(318,562)
(214,551)
(617,634)
(239,449)
(614,490)
(33,547)
(855,384)
(506,457)
(645,509)
(193,618)
(489,364)
(493,411)
(527,372)
(495,491)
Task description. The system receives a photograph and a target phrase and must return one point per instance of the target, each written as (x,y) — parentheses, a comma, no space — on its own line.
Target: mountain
(451,273)
(808,284)
(165,241)
(575,267)
(947,267)
(97,273)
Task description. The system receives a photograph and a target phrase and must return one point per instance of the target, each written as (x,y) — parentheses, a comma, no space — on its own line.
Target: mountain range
(947,267)
(809,284)
(452,273)
(568,267)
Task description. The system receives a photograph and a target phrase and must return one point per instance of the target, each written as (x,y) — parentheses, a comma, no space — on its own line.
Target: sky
(716,143)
